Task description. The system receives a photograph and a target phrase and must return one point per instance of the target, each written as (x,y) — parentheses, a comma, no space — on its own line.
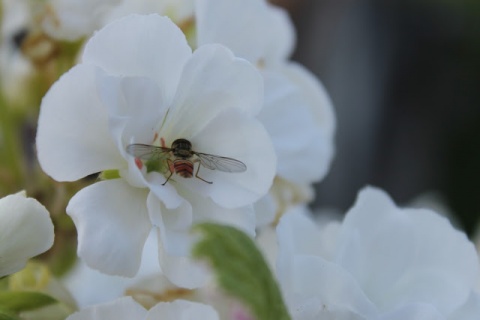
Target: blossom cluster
(192,112)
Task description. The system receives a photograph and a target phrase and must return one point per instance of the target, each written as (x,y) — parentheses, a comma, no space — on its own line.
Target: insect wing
(224,164)
(146,151)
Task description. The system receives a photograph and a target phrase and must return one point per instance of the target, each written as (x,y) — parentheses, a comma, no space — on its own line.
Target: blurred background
(404,77)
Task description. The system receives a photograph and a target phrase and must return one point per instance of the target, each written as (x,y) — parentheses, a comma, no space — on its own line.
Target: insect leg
(198,169)
(171,169)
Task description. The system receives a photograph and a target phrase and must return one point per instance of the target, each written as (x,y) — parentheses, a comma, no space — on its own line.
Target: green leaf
(5,315)
(24,300)
(241,270)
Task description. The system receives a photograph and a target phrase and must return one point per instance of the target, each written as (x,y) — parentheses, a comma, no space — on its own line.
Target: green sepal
(241,270)
(109,174)
(17,301)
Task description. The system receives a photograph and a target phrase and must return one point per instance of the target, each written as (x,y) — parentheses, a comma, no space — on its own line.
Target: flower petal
(136,108)
(124,308)
(25,231)
(179,268)
(237,136)
(71,20)
(73,140)
(470,309)
(315,95)
(406,256)
(334,287)
(174,247)
(415,311)
(303,148)
(148,46)
(112,223)
(181,309)
(206,210)
(213,80)
(252,29)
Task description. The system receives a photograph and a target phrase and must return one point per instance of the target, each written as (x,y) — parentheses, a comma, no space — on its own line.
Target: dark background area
(404,77)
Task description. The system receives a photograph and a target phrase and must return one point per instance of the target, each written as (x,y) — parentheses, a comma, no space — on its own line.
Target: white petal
(136,108)
(179,268)
(298,234)
(303,148)
(328,282)
(315,95)
(205,210)
(73,140)
(213,81)
(376,244)
(469,310)
(414,312)
(404,256)
(254,30)
(70,20)
(150,46)
(174,247)
(122,309)
(112,223)
(181,309)
(25,231)
(236,136)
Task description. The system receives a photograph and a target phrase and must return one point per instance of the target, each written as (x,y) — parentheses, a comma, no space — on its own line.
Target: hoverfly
(184,159)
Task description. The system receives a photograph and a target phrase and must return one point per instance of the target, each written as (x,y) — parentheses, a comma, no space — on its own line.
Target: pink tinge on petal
(240,313)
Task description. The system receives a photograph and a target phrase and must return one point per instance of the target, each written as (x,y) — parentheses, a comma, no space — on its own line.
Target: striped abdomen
(183,168)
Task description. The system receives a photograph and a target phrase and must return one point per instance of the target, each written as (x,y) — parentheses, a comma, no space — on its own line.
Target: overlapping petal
(127,308)
(25,231)
(253,29)
(406,255)
(408,263)
(213,81)
(73,139)
(121,309)
(226,136)
(112,223)
(150,46)
(181,309)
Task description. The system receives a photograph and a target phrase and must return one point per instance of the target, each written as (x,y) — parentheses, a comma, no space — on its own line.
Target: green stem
(11,153)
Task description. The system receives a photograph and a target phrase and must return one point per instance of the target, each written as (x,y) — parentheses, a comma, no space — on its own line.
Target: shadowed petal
(112,223)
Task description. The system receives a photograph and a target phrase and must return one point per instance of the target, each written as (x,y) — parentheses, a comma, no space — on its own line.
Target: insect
(184,158)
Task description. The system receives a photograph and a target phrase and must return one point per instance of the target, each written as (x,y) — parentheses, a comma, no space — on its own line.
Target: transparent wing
(146,151)
(224,164)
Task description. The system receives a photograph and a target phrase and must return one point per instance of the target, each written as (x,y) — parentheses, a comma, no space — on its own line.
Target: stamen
(139,163)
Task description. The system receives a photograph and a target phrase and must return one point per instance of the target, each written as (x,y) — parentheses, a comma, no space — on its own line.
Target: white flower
(70,20)
(26,230)
(140,83)
(382,262)
(297,111)
(127,309)
(15,69)
(177,10)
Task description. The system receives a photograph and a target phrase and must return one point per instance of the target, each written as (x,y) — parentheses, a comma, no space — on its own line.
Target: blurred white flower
(126,308)
(71,20)
(15,69)
(178,10)
(26,230)
(382,262)
(140,83)
(297,111)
